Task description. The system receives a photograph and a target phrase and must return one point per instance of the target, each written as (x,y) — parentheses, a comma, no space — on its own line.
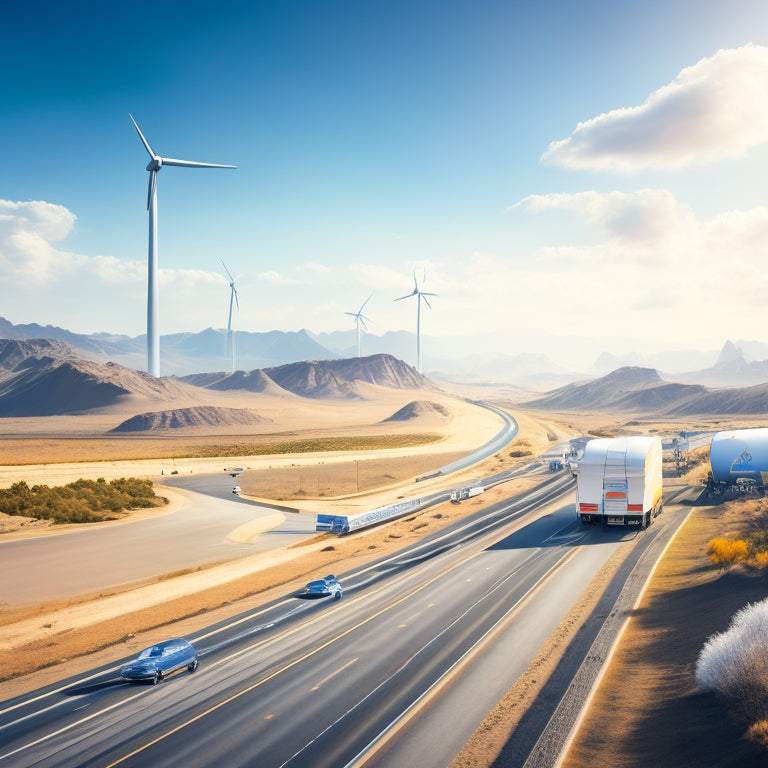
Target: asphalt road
(100,559)
(399,672)
(95,560)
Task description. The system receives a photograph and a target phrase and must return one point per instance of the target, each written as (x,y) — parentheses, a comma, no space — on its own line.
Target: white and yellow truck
(619,481)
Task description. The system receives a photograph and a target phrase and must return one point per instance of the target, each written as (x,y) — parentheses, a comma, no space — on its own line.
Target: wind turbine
(232,297)
(360,319)
(421,295)
(155,164)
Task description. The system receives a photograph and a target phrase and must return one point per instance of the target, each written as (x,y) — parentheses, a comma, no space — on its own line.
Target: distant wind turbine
(232,298)
(155,164)
(360,319)
(421,295)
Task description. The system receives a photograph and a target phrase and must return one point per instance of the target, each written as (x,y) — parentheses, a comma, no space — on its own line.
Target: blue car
(324,587)
(159,661)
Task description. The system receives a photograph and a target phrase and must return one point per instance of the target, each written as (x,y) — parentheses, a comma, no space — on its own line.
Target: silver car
(324,587)
(159,661)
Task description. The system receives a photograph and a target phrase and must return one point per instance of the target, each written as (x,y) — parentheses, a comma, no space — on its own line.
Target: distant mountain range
(46,377)
(642,390)
(490,358)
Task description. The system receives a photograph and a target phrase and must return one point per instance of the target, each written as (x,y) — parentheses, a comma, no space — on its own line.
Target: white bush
(735,662)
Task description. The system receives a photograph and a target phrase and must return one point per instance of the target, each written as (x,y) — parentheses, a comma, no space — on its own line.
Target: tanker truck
(619,481)
(739,461)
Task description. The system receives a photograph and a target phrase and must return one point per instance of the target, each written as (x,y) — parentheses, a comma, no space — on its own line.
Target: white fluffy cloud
(654,269)
(27,231)
(48,284)
(643,217)
(715,109)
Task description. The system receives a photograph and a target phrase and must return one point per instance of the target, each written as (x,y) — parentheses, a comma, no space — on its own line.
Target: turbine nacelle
(155,164)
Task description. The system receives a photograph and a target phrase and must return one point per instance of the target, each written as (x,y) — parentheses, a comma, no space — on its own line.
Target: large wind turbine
(232,298)
(360,319)
(421,295)
(155,164)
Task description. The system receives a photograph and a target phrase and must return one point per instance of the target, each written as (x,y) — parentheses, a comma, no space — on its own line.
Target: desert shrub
(721,550)
(758,732)
(83,501)
(761,559)
(757,542)
(734,663)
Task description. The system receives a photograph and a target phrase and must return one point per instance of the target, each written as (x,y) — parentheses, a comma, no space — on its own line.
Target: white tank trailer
(740,457)
(619,481)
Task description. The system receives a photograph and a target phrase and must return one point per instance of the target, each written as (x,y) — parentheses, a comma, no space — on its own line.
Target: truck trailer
(619,481)
(739,457)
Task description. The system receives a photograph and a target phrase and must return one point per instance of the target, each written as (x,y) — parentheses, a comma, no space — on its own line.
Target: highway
(318,683)
(197,533)
(100,558)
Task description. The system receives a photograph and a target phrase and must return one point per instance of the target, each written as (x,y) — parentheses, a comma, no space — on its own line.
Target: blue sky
(593,169)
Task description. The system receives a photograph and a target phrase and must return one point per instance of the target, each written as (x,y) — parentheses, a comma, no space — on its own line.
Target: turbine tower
(155,164)
(360,319)
(421,295)
(232,298)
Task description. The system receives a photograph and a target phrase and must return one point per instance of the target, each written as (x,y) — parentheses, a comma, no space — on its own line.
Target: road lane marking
(68,727)
(445,678)
(274,674)
(334,673)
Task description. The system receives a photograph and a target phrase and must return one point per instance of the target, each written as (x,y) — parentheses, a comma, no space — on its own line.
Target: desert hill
(199,416)
(417,408)
(336,378)
(247,381)
(42,377)
(643,390)
(327,379)
(620,386)
(736,400)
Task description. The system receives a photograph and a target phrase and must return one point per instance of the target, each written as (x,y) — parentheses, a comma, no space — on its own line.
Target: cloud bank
(715,109)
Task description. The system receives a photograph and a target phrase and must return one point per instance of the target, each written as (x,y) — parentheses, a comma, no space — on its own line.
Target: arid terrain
(687,600)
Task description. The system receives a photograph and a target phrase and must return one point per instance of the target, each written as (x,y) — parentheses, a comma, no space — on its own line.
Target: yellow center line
(277,672)
(334,673)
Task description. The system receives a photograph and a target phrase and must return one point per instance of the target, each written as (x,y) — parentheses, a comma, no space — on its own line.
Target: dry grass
(28,450)
(340,478)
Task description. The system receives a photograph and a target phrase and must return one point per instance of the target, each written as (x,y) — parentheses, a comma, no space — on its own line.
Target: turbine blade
(193,164)
(415,283)
(426,300)
(152,187)
(229,274)
(365,302)
(141,136)
(362,322)
(406,297)
(237,301)
(425,293)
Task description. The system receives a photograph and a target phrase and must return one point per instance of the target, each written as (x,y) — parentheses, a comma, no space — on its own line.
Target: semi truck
(619,481)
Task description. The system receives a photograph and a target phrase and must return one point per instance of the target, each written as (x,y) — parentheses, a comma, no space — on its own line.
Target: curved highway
(198,533)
